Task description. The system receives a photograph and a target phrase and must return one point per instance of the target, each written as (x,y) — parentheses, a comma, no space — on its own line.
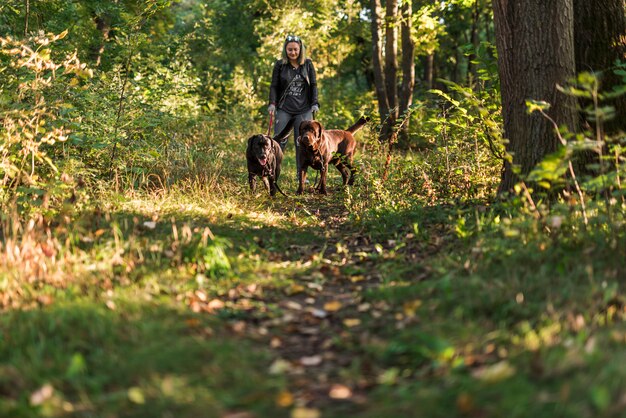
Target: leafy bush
(33,119)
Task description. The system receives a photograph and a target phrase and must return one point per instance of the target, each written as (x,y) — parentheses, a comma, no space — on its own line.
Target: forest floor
(184,304)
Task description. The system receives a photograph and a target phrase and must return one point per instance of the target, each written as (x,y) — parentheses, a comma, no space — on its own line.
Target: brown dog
(264,158)
(320,147)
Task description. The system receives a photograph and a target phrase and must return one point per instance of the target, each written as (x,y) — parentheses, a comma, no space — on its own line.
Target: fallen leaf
(364,307)
(149,224)
(275,342)
(280,366)
(311,360)
(136,395)
(201,295)
(284,399)
(41,395)
(293,305)
(301,412)
(294,289)
(351,322)
(410,307)
(318,313)
(332,306)
(495,372)
(242,414)
(340,392)
(214,304)
(464,403)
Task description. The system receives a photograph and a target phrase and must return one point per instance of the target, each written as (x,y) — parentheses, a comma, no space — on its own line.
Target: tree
(535,42)
(393,99)
(600,40)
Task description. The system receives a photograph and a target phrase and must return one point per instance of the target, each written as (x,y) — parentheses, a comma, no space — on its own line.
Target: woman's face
(293,50)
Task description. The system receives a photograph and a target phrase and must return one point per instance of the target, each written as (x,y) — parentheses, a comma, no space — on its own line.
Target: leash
(269,128)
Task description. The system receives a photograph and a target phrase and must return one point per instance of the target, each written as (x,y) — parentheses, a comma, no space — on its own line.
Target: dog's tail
(359,124)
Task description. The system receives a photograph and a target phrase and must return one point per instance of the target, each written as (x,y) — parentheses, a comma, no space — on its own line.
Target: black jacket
(281,70)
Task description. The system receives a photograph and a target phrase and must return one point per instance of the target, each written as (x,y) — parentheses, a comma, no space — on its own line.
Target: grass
(386,299)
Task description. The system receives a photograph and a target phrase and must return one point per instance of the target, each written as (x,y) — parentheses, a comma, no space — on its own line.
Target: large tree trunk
(377,61)
(600,39)
(408,65)
(535,41)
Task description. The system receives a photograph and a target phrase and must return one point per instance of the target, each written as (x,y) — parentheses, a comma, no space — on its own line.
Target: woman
(293,92)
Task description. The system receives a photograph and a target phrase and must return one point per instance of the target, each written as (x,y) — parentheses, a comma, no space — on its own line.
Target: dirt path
(319,339)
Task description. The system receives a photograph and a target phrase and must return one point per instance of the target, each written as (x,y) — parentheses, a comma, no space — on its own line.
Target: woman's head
(293,49)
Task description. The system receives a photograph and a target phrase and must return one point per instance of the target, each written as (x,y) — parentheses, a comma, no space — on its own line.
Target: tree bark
(535,42)
(391,55)
(104,27)
(408,65)
(377,60)
(429,67)
(26,17)
(600,39)
(472,69)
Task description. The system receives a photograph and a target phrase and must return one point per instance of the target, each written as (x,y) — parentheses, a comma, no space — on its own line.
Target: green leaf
(77,366)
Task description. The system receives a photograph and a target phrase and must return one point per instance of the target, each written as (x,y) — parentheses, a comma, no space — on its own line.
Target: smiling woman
(293,92)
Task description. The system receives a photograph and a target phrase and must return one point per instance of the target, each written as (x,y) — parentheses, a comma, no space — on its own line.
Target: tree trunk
(535,42)
(472,74)
(377,61)
(408,66)
(104,27)
(600,39)
(429,67)
(391,55)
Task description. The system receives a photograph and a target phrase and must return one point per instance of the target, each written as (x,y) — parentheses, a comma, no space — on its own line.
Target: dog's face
(260,148)
(310,134)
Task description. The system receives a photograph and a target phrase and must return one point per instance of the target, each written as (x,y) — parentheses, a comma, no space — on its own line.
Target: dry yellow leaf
(351,322)
(332,306)
(495,372)
(411,306)
(284,399)
(305,413)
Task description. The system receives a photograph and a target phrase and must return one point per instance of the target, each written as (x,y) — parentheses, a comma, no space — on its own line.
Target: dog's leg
(344,170)
(252,182)
(323,172)
(272,187)
(352,174)
(301,179)
(267,184)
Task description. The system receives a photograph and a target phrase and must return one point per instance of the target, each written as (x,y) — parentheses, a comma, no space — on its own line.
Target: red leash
(269,128)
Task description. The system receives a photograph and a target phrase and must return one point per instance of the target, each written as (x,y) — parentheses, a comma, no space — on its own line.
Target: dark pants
(282,118)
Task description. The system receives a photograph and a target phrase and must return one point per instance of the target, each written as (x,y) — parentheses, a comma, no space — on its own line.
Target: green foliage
(34,124)
(156,284)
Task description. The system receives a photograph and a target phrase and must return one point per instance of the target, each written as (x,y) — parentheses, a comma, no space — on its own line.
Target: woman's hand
(271,109)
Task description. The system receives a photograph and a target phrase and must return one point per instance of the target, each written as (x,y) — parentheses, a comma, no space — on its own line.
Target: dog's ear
(250,146)
(279,137)
(318,129)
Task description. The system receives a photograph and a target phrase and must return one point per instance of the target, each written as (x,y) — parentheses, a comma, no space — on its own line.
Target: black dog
(264,158)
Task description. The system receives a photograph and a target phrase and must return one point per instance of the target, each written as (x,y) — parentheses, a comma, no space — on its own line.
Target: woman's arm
(313,85)
(274,86)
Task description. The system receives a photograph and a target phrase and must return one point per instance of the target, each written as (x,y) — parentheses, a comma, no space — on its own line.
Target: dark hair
(302,56)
